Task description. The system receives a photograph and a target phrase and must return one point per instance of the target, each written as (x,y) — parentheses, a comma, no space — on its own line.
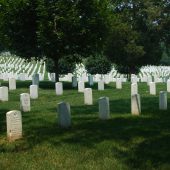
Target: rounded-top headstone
(33,91)
(25,102)
(14,125)
(81,86)
(135,104)
(163,100)
(88,98)
(59,88)
(104,108)
(101,85)
(12,84)
(35,79)
(4,93)
(64,115)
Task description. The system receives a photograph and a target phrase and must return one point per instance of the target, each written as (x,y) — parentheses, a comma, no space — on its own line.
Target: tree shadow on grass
(87,131)
(146,138)
(19,84)
(3,119)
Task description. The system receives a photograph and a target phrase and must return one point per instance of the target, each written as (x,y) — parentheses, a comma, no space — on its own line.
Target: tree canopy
(138,29)
(129,32)
(98,64)
(53,28)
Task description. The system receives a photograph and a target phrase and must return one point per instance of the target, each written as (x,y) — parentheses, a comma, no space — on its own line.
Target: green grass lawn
(124,142)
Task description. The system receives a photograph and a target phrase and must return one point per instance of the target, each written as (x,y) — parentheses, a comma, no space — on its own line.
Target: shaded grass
(124,142)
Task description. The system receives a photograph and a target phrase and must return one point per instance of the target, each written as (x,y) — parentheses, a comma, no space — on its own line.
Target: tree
(65,65)
(137,34)
(98,64)
(54,29)
(18,27)
(122,48)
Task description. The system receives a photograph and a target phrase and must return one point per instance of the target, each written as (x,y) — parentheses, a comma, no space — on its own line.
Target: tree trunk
(56,71)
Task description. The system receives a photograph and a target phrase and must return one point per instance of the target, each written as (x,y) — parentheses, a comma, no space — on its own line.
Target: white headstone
(52,76)
(152,88)
(90,80)
(168,85)
(118,83)
(4,93)
(134,79)
(25,102)
(33,91)
(163,100)
(104,108)
(69,77)
(64,115)
(106,79)
(101,85)
(12,84)
(149,79)
(135,104)
(81,86)
(22,76)
(35,79)
(134,88)
(88,98)
(74,81)
(59,88)
(14,125)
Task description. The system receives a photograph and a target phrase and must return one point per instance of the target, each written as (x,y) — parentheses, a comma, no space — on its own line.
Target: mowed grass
(124,142)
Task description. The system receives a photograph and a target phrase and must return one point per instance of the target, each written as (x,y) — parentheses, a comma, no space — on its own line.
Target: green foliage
(137,33)
(130,32)
(54,29)
(65,65)
(18,24)
(122,47)
(98,64)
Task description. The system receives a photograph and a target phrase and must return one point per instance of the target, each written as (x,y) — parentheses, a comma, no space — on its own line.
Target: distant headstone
(118,83)
(22,76)
(88,98)
(135,104)
(104,108)
(59,88)
(90,80)
(149,79)
(14,125)
(35,79)
(33,91)
(4,93)
(168,85)
(74,81)
(152,87)
(101,85)
(163,100)
(52,76)
(81,86)
(25,102)
(12,84)
(69,77)
(106,79)
(64,115)
(134,88)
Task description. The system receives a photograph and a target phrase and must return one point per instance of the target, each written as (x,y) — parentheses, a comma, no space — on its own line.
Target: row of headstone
(136,102)
(152,88)
(81,84)
(64,112)
(14,67)
(12,64)
(14,118)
